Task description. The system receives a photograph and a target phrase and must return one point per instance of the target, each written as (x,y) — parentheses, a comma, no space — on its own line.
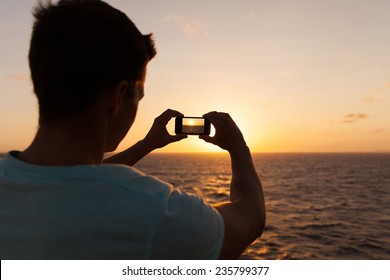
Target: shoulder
(113,178)
(189,228)
(127,177)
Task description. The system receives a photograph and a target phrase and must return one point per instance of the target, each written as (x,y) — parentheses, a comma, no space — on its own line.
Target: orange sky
(297,76)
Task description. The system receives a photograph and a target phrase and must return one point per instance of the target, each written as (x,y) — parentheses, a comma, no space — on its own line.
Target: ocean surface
(319,206)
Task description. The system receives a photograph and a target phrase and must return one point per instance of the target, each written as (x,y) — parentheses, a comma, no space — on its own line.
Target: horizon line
(255,152)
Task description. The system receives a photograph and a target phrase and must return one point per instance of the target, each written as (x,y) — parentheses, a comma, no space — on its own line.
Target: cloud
(368,100)
(376,131)
(16,77)
(381,90)
(251,15)
(351,118)
(193,28)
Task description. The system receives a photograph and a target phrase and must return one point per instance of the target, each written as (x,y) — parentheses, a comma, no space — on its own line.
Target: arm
(244,215)
(157,137)
(131,155)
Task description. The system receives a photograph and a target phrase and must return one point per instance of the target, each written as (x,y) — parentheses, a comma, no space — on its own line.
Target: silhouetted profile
(59,200)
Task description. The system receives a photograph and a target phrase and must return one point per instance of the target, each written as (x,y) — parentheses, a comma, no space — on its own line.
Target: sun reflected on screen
(193,122)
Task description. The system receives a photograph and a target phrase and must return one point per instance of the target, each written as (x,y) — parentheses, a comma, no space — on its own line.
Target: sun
(191,122)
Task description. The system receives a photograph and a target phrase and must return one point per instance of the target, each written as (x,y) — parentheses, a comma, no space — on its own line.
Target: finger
(209,113)
(207,138)
(228,118)
(225,115)
(214,118)
(178,137)
(174,113)
(214,114)
(167,115)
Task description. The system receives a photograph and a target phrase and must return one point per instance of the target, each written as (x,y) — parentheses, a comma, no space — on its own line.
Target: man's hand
(227,134)
(158,135)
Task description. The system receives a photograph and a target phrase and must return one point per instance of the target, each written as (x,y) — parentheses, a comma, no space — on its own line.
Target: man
(59,200)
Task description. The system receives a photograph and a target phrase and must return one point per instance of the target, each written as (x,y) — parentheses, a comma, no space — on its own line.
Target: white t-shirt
(100,212)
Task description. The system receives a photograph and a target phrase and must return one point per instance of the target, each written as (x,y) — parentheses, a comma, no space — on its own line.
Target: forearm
(244,215)
(245,184)
(132,155)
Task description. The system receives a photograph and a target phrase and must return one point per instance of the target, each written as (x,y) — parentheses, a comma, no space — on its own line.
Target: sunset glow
(296,76)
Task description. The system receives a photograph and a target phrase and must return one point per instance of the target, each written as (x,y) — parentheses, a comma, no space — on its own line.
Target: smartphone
(192,126)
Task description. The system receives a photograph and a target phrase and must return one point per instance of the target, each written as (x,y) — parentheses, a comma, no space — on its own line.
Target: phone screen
(192,126)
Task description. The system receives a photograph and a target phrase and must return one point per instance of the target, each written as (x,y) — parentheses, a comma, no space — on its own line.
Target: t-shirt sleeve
(189,228)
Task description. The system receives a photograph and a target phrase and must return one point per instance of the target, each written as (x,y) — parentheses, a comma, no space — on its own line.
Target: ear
(117,96)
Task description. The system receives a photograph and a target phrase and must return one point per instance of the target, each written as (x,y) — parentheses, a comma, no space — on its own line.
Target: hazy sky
(296,75)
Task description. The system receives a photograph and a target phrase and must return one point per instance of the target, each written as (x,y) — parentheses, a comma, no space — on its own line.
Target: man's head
(80,49)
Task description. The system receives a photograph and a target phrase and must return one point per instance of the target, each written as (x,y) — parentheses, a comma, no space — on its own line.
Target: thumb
(178,137)
(207,138)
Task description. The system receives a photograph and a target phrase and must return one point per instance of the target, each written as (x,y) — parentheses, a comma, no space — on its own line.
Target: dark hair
(78,49)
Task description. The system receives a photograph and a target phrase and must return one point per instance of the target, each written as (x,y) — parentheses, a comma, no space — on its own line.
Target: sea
(319,206)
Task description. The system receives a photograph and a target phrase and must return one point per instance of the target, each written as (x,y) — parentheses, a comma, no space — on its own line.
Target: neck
(73,142)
